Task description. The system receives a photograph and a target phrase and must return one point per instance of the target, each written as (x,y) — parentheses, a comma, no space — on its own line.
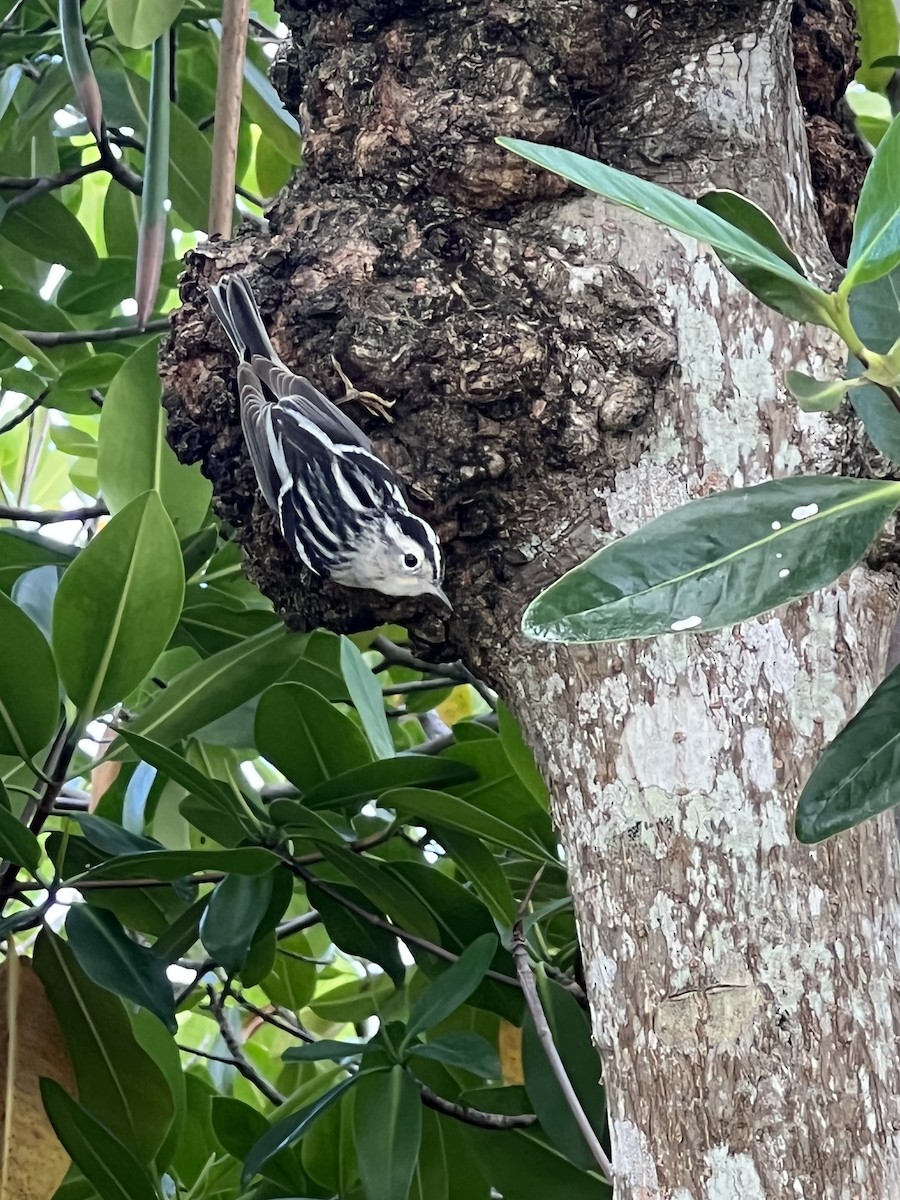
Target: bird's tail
(235,305)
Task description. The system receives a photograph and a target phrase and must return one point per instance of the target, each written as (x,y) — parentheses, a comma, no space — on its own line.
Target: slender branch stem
(217,1008)
(272,1019)
(10,512)
(474,1116)
(31,407)
(74,337)
(403,935)
(398,656)
(545,1036)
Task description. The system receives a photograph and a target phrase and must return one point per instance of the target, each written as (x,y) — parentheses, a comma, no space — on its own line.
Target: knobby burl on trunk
(532,370)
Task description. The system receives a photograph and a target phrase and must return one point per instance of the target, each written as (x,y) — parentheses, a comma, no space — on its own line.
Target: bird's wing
(308,400)
(256,422)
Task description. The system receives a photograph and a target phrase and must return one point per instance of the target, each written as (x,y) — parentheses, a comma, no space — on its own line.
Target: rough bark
(564,371)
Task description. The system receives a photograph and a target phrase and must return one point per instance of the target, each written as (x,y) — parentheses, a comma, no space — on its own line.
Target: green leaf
(289,1129)
(216,686)
(108,955)
(371,780)
(520,1166)
(387,1132)
(875,249)
(366,698)
(117,1078)
(391,895)
(520,755)
(21,551)
(137,23)
(29,688)
(781,283)
(440,808)
(17,843)
(571,1032)
(209,628)
(26,348)
(232,917)
(875,315)
(168,865)
(306,737)
(467,1051)
(452,988)
(858,775)
(324,1048)
(134,456)
(117,605)
(876,29)
(352,932)
(264,107)
(45,228)
(101,291)
(717,561)
(215,791)
(779,294)
(109,1166)
(814,395)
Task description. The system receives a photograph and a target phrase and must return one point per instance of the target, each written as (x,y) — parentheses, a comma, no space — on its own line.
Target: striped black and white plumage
(339,506)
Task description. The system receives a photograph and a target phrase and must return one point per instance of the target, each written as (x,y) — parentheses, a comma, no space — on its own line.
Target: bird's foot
(377,405)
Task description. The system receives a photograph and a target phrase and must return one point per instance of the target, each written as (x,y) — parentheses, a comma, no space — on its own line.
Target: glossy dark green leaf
(21,551)
(291,983)
(371,780)
(571,1032)
(520,755)
(352,933)
(237,1127)
(215,791)
(781,294)
(101,291)
(306,737)
(858,775)
(232,917)
(111,838)
(717,561)
(109,1165)
(17,843)
(778,282)
(875,314)
(117,1078)
(324,1048)
(209,628)
(452,988)
(468,1051)
(137,23)
(391,895)
(521,1166)
(169,865)
(108,955)
(440,808)
(25,348)
(816,395)
(875,249)
(387,1132)
(366,698)
(289,1129)
(475,862)
(45,228)
(117,605)
(29,688)
(216,686)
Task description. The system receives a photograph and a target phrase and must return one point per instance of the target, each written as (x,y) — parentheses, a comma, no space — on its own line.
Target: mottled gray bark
(564,371)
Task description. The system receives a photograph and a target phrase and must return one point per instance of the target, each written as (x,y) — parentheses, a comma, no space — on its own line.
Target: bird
(339,506)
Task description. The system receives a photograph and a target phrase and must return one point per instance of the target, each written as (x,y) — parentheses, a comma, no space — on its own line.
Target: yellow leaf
(510,1042)
(462,703)
(32,1162)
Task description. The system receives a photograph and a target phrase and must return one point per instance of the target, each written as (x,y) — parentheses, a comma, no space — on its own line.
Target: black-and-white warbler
(339,506)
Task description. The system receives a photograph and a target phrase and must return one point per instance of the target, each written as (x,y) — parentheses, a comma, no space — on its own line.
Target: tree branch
(10,512)
(411,939)
(240,1062)
(545,1036)
(74,337)
(474,1116)
(398,656)
(26,412)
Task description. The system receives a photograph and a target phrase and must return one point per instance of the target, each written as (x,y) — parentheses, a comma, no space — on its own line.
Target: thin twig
(398,656)
(272,1019)
(10,512)
(31,407)
(436,744)
(241,1063)
(403,935)
(545,1036)
(74,337)
(474,1116)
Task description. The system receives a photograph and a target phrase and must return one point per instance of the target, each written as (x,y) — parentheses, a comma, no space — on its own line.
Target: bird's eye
(410,560)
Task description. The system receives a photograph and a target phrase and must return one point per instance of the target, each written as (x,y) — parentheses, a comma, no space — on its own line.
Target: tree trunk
(564,371)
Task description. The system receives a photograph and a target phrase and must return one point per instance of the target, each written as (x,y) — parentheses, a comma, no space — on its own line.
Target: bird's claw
(377,405)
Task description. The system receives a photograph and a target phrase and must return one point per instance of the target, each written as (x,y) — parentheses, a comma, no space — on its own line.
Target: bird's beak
(441,595)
